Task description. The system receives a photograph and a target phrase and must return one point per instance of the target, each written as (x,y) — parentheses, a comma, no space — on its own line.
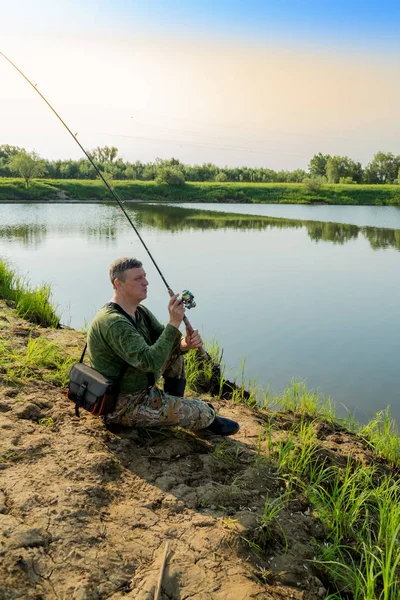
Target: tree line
(322,168)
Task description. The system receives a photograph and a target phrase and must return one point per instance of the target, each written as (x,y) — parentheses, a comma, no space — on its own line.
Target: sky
(257,83)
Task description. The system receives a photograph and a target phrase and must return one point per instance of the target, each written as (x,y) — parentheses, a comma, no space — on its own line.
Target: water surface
(298,298)
(374,216)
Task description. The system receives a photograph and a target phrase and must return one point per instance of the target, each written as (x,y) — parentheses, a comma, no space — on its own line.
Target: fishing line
(187,297)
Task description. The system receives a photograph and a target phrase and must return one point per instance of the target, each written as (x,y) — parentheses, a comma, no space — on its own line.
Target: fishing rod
(186,296)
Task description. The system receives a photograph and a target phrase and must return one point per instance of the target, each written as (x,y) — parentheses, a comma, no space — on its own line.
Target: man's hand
(191,341)
(176,311)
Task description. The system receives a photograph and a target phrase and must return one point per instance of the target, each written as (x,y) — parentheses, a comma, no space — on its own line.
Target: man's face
(134,288)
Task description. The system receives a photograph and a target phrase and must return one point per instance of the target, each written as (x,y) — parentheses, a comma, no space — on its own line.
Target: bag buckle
(80,396)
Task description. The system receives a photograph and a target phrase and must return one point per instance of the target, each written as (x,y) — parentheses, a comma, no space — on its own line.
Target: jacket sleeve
(129,345)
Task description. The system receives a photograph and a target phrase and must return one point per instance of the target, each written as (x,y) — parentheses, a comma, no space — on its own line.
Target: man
(124,332)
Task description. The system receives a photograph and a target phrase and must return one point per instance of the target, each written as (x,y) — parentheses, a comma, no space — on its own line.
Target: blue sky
(354,19)
(263,83)
(368,23)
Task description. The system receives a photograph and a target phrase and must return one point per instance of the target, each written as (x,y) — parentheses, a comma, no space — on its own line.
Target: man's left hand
(191,341)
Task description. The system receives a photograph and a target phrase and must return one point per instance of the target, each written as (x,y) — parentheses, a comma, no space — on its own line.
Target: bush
(346,180)
(171,176)
(221,177)
(314,183)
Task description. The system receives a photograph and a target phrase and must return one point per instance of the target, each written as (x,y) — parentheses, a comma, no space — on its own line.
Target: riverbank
(48,190)
(296,505)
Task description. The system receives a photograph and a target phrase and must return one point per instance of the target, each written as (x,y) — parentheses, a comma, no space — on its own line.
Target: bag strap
(129,317)
(125,364)
(121,373)
(150,376)
(83,354)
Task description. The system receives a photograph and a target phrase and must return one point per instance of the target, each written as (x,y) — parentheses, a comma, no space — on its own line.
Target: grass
(31,303)
(358,504)
(381,434)
(39,359)
(13,189)
(269,520)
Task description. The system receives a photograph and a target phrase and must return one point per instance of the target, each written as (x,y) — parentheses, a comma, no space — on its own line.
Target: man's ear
(116,283)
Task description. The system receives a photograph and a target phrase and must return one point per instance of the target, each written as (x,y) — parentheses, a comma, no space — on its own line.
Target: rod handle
(188,326)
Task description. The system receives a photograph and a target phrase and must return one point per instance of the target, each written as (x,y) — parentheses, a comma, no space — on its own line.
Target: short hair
(120,266)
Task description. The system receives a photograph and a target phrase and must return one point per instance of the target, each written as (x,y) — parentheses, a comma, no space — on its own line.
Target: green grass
(39,359)
(359,505)
(381,434)
(31,303)
(268,523)
(13,189)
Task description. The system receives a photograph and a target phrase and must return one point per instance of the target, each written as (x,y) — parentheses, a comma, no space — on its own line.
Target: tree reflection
(105,230)
(338,233)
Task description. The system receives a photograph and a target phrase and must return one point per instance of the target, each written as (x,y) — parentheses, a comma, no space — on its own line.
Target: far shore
(61,191)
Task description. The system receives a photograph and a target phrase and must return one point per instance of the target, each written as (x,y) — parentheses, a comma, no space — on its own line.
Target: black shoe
(223,426)
(174,386)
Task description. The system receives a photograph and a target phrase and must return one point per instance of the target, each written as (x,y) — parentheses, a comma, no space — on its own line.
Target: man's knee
(196,414)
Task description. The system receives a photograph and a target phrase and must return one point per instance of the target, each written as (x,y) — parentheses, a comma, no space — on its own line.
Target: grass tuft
(31,303)
(40,359)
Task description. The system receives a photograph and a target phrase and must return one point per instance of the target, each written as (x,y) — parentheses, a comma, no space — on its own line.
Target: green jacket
(112,340)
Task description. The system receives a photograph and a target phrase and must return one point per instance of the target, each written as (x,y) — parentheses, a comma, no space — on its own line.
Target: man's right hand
(176,311)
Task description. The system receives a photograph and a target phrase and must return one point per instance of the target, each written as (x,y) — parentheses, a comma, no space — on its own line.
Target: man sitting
(124,332)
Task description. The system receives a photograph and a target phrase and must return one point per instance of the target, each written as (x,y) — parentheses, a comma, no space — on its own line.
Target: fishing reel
(187,299)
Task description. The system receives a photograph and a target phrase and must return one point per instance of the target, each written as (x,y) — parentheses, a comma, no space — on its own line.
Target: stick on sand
(159,582)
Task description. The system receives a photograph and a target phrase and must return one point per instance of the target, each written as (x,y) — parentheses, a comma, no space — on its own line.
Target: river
(311,295)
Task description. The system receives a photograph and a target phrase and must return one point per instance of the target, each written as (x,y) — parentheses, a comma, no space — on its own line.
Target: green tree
(269,176)
(7,151)
(296,176)
(343,166)
(317,165)
(384,168)
(27,166)
(107,154)
(130,173)
(69,169)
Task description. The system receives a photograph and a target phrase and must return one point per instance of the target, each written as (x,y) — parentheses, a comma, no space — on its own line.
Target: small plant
(46,422)
(269,519)
(261,458)
(230,523)
(226,453)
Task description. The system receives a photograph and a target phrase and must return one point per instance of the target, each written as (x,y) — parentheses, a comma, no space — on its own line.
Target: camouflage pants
(152,407)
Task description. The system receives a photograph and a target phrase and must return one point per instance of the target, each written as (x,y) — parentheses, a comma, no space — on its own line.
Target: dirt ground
(85,512)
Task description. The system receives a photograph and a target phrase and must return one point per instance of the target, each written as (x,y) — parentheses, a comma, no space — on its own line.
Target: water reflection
(175,219)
